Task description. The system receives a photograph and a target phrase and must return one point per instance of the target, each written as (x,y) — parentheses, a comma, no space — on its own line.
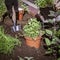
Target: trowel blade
(16,28)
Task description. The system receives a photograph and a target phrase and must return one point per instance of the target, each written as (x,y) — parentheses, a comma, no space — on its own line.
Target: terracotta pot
(21,12)
(36,43)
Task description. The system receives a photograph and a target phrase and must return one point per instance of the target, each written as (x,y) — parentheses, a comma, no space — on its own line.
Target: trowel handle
(14,16)
(39,16)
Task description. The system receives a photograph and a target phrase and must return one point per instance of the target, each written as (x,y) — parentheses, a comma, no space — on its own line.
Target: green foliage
(43,3)
(20,58)
(58,59)
(49,51)
(52,42)
(48,42)
(48,32)
(50,21)
(58,33)
(27,58)
(7,43)
(2,7)
(32,28)
(52,13)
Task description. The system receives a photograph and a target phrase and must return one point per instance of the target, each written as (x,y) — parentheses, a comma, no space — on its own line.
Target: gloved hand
(57,4)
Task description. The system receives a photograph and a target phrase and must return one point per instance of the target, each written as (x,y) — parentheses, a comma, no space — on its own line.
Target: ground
(24,50)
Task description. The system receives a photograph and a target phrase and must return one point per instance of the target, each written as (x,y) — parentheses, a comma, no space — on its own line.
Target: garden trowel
(15,27)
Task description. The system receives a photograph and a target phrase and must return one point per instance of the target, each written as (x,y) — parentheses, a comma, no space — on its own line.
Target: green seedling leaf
(59,51)
(58,59)
(52,13)
(48,42)
(50,20)
(48,32)
(20,58)
(28,58)
(48,52)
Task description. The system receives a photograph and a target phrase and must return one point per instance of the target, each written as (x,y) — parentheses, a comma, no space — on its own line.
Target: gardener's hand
(57,4)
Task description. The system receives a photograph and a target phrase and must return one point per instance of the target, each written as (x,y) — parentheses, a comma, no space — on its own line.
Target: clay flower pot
(36,43)
(21,12)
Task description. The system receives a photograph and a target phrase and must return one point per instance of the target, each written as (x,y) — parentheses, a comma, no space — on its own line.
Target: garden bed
(24,50)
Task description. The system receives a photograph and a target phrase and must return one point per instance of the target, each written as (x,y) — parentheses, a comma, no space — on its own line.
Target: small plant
(2,8)
(7,43)
(58,59)
(27,58)
(20,58)
(58,33)
(52,13)
(32,28)
(52,42)
(43,3)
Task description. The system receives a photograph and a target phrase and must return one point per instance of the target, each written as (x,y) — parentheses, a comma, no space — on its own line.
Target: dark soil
(45,12)
(24,50)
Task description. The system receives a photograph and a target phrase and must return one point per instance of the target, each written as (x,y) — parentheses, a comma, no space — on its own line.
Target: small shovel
(15,27)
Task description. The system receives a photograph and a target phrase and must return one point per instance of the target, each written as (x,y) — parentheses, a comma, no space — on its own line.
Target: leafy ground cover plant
(7,43)
(43,3)
(2,8)
(58,34)
(53,42)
